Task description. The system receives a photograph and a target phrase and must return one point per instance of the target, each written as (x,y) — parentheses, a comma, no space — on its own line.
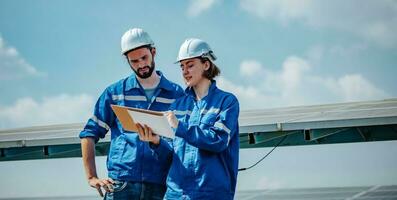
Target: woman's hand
(172,120)
(146,134)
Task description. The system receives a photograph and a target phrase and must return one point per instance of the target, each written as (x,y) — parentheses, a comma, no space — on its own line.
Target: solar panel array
(41,135)
(332,193)
(376,110)
(346,114)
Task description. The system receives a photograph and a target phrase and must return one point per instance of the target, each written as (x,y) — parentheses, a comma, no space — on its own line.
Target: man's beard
(146,74)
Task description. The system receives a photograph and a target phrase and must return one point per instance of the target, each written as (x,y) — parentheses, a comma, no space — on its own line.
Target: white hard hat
(135,38)
(193,48)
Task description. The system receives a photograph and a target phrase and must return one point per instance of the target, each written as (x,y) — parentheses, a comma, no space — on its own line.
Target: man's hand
(172,120)
(106,184)
(146,134)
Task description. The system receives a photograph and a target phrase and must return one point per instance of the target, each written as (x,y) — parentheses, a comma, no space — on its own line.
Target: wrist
(154,145)
(90,178)
(176,123)
(156,141)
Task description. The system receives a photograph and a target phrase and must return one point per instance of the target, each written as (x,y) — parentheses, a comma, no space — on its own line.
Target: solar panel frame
(266,120)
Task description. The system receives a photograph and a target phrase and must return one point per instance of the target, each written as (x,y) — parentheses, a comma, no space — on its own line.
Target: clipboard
(157,121)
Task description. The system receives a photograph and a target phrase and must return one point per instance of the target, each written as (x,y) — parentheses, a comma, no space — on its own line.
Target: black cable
(245,168)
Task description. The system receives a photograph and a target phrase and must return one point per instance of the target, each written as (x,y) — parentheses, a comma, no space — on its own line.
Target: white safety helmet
(135,38)
(193,48)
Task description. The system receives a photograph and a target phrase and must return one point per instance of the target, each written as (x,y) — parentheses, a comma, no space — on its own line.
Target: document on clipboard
(128,118)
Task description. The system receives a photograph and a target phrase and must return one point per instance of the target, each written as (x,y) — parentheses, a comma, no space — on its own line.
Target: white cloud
(250,68)
(296,84)
(354,87)
(198,7)
(12,65)
(292,73)
(282,10)
(249,96)
(50,110)
(373,20)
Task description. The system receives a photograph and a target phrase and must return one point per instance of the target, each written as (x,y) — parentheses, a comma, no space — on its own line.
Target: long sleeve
(99,124)
(164,150)
(213,135)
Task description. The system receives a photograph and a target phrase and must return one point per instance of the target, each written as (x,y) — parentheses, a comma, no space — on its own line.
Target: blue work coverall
(129,158)
(206,147)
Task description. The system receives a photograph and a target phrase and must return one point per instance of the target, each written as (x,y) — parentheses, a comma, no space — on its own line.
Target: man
(134,171)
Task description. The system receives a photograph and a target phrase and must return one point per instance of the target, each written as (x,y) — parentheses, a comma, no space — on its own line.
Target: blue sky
(56,57)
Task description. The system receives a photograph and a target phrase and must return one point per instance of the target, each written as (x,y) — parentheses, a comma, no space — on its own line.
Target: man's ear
(153,51)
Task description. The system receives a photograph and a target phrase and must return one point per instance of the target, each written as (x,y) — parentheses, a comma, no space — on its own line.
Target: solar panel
(330,193)
(383,192)
(366,111)
(304,125)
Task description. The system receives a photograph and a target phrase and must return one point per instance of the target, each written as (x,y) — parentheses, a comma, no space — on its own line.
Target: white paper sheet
(158,124)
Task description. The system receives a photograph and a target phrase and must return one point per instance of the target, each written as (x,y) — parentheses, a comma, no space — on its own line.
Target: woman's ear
(207,65)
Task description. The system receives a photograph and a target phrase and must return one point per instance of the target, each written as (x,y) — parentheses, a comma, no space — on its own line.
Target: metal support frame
(320,136)
(49,151)
(361,133)
(247,140)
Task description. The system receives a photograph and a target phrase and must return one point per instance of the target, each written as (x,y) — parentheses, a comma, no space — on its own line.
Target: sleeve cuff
(181,130)
(158,147)
(84,134)
(160,150)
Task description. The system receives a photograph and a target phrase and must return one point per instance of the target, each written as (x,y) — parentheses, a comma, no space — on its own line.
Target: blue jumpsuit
(129,158)
(206,149)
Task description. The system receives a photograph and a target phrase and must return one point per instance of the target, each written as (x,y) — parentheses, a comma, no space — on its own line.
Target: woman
(205,120)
